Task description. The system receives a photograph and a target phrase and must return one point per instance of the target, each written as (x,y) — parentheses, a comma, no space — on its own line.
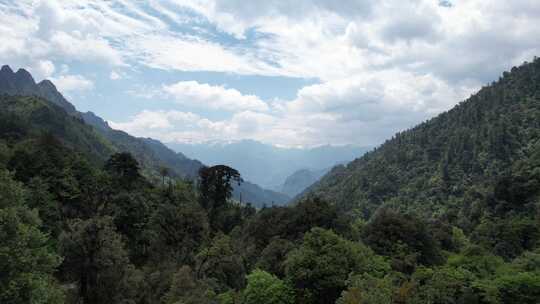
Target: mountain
(150,154)
(259,197)
(22,83)
(454,165)
(300,180)
(49,111)
(25,118)
(267,165)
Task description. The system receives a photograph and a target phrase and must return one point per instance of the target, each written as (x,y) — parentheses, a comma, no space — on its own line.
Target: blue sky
(284,72)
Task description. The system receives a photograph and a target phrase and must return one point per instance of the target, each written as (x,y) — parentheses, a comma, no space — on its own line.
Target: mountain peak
(6,69)
(24,76)
(22,83)
(47,84)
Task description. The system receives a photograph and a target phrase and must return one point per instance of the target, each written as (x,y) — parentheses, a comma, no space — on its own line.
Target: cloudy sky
(285,72)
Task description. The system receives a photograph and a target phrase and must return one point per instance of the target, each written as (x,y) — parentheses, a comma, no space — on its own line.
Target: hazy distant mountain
(251,193)
(300,180)
(267,165)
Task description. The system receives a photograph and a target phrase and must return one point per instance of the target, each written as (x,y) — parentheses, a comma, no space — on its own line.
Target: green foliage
(95,258)
(215,188)
(264,288)
(369,289)
(124,168)
(177,228)
(272,258)
(521,287)
(290,223)
(220,263)
(186,289)
(27,263)
(443,285)
(319,268)
(403,238)
(5,154)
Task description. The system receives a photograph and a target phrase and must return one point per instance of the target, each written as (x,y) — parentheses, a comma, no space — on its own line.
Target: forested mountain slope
(452,163)
(26,118)
(41,108)
(149,154)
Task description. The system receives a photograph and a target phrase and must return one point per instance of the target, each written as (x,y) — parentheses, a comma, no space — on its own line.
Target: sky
(290,73)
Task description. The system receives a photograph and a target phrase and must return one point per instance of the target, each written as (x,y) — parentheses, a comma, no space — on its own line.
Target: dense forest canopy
(447,212)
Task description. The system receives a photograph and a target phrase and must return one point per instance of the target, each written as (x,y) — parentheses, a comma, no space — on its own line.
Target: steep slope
(265,164)
(300,180)
(151,154)
(22,83)
(30,117)
(48,111)
(451,163)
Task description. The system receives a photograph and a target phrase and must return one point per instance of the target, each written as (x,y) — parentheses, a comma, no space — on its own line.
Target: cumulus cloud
(213,97)
(379,66)
(362,110)
(154,120)
(43,69)
(343,38)
(71,83)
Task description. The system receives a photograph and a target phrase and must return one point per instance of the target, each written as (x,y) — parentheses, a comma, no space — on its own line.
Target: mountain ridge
(152,154)
(437,161)
(22,83)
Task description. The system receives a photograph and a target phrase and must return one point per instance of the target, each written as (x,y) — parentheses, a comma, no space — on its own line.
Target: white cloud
(86,48)
(361,110)
(311,39)
(71,83)
(381,65)
(43,69)
(213,97)
(114,76)
(187,53)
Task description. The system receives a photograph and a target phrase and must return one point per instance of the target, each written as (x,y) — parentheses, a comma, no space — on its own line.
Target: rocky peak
(24,78)
(22,83)
(6,70)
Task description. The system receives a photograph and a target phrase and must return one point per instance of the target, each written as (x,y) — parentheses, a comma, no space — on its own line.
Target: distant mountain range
(267,165)
(91,135)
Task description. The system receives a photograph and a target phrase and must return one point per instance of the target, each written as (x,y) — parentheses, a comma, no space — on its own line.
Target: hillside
(24,118)
(151,154)
(300,180)
(22,83)
(450,164)
(49,111)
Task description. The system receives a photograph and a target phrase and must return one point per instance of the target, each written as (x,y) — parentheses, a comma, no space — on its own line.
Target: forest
(446,212)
